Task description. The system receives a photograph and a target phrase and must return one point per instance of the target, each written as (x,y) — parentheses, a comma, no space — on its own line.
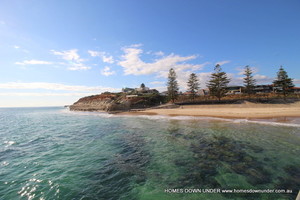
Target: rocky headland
(115,102)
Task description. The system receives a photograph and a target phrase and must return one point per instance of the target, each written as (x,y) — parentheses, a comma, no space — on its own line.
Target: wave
(270,123)
(90,113)
(9,143)
(167,117)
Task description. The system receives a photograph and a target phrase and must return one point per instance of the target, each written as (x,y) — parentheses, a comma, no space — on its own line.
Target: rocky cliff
(113,102)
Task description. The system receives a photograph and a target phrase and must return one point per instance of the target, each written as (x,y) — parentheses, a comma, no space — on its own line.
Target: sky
(54,52)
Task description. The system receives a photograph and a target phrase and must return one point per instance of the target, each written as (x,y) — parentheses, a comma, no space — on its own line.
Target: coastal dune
(244,110)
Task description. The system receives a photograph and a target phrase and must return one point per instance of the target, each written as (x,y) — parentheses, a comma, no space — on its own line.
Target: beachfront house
(140,90)
(128,90)
(234,90)
(296,90)
(203,92)
(259,89)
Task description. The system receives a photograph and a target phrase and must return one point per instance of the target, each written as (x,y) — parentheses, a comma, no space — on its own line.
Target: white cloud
(159,53)
(203,79)
(296,81)
(107,71)
(136,45)
(157,83)
(132,63)
(262,79)
(69,55)
(75,63)
(242,70)
(55,86)
(78,66)
(35,94)
(103,55)
(34,62)
(95,53)
(19,48)
(108,59)
(222,62)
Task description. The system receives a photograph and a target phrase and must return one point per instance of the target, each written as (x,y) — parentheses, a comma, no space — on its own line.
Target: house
(142,89)
(203,92)
(259,89)
(165,93)
(234,89)
(128,90)
(296,90)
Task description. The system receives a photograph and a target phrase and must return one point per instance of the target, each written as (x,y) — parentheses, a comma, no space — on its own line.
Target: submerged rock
(211,154)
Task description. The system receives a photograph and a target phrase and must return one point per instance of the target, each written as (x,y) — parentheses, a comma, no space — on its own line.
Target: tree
(249,81)
(218,83)
(172,85)
(283,82)
(193,85)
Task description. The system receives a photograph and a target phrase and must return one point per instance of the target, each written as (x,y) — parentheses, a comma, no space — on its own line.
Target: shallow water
(52,153)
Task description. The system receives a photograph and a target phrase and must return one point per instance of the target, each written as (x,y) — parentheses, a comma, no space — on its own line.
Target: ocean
(53,153)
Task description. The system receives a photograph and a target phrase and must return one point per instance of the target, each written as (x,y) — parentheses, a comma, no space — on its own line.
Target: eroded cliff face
(115,103)
(101,102)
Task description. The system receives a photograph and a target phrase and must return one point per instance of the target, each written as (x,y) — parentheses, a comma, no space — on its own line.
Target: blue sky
(54,52)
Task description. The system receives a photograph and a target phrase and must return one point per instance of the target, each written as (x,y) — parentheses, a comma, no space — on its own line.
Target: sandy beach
(244,110)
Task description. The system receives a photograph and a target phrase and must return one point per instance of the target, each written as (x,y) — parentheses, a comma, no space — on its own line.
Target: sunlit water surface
(52,153)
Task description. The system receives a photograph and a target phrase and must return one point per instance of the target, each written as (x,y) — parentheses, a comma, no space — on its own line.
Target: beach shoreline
(245,110)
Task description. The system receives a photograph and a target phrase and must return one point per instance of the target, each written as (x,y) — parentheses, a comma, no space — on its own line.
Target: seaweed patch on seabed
(118,176)
(220,151)
(291,180)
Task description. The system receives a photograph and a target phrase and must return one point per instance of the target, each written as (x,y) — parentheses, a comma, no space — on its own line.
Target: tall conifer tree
(218,83)
(193,85)
(283,82)
(172,85)
(249,81)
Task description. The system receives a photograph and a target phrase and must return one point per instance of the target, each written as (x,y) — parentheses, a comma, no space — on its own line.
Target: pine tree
(218,83)
(193,85)
(249,81)
(283,82)
(172,85)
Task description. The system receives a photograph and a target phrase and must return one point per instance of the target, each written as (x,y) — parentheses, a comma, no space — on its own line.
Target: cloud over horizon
(55,87)
(33,62)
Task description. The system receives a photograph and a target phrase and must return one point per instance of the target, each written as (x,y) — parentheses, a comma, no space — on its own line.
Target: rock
(113,102)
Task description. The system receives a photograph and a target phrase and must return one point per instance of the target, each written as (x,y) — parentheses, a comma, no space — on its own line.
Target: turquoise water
(52,153)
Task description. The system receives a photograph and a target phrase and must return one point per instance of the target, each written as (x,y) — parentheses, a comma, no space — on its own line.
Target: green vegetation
(218,83)
(283,83)
(249,81)
(172,85)
(193,85)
